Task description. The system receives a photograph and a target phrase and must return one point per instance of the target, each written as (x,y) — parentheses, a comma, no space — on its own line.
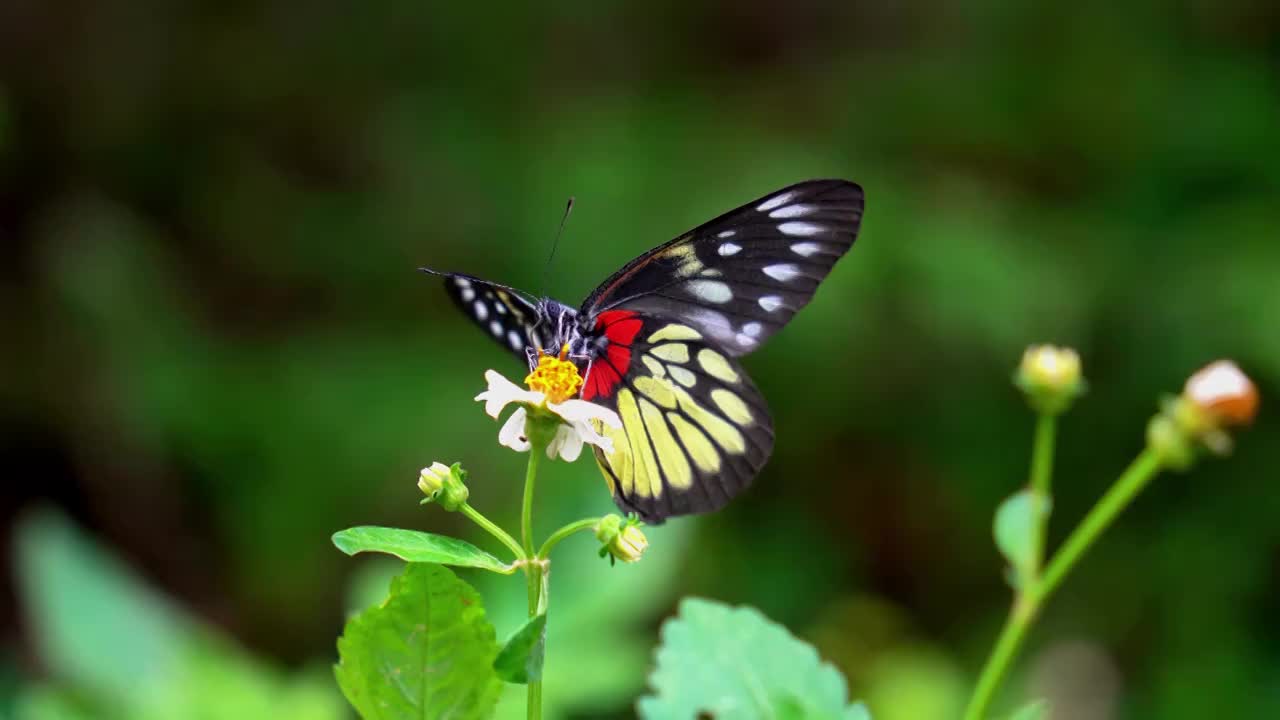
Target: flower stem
(1122,492)
(564,532)
(1028,603)
(1041,481)
(533,568)
(489,526)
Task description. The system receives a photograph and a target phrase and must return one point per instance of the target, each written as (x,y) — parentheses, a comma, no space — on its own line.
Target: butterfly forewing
(742,276)
(695,431)
(502,313)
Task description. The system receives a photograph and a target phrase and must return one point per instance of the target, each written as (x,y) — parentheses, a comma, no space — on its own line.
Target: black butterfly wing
(695,430)
(741,277)
(503,313)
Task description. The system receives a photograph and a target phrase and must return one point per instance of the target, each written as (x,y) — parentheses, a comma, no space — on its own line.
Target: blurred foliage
(116,649)
(219,353)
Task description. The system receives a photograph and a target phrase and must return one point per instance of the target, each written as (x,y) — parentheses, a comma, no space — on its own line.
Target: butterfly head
(559,330)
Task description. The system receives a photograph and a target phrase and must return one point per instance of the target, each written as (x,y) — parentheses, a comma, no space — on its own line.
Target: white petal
(589,435)
(512,433)
(567,443)
(502,392)
(581,411)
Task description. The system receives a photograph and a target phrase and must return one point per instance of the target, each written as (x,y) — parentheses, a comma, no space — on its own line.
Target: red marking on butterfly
(620,327)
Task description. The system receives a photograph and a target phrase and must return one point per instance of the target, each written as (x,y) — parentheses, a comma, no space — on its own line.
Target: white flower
(575,418)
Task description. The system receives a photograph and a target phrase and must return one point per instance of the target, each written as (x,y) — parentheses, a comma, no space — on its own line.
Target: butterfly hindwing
(695,431)
(505,315)
(742,276)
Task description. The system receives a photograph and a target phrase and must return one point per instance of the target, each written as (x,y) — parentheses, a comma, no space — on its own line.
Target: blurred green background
(217,351)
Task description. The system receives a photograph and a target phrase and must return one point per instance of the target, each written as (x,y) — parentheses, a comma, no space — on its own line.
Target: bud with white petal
(1216,398)
(621,539)
(444,484)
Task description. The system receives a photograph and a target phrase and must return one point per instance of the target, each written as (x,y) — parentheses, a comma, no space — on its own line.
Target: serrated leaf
(736,663)
(427,652)
(520,660)
(416,547)
(1015,529)
(1037,710)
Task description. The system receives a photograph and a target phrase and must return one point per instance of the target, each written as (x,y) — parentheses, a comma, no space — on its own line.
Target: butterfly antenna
(546,273)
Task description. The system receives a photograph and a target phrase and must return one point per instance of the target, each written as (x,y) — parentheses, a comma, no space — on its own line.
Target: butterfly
(658,342)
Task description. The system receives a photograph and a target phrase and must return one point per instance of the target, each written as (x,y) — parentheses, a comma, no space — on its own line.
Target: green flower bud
(621,540)
(1051,378)
(444,484)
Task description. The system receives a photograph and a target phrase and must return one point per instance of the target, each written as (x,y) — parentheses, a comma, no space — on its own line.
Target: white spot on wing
(801,229)
(502,308)
(753,329)
(462,282)
(770,302)
(805,249)
(791,211)
(516,341)
(482,311)
(468,294)
(496,328)
(729,248)
(726,234)
(712,291)
(774,202)
(782,271)
(745,340)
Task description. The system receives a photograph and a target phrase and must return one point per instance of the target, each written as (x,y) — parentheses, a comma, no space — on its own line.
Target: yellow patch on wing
(732,406)
(671,352)
(726,436)
(648,479)
(683,376)
(704,454)
(619,461)
(686,259)
(674,331)
(659,390)
(717,366)
(655,367)
(675,465)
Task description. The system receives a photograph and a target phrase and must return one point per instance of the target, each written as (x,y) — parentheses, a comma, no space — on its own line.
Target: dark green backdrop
(217,351)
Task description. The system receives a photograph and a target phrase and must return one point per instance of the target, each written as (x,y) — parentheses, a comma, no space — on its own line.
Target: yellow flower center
(555,377)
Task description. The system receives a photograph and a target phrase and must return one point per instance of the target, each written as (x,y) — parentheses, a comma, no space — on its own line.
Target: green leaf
(1037,710)
(416,547)
(1015,528)
(426,652)
(95,625)
(521,658)
(736,663)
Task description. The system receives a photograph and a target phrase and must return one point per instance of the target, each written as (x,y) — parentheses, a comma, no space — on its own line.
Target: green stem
(1028,604)
(494,530)
(564,532)
(1041,479)
(1104,512)
(533,568)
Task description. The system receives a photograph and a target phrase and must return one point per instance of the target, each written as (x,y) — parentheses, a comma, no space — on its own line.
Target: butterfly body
(658,342)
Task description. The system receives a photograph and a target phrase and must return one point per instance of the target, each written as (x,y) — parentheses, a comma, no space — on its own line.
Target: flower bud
(1050,376)
(431,479)
(444,484)
(1223,393)
(620,540)
(1216,398)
